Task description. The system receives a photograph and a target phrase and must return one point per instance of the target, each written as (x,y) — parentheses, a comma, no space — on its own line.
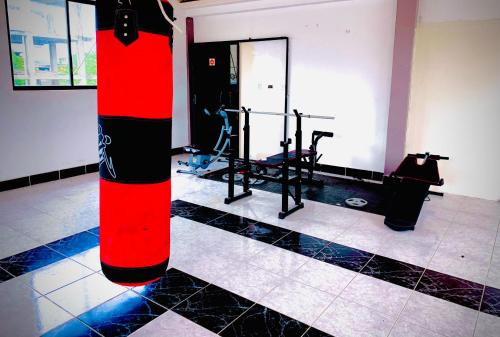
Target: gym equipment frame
(284,179)
(202,159)
(410,187)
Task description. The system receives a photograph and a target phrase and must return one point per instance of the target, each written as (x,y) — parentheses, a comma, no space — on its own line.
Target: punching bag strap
(127,17)
(126,28)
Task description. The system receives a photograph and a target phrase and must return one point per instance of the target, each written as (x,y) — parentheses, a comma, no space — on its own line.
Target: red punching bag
(134,62)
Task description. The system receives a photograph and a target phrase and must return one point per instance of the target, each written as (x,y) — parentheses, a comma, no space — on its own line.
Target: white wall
(455,105)
(47,130)
(340,65)
(42,131)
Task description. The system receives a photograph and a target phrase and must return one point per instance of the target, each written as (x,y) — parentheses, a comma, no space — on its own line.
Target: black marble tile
(182,208)
(122,315)
(96,231)
(178,204)
(194,212)
(172,288)
(264,232)
(345,257)
(393,271)
(491,301)
(30,260)
(312,332)
(73,328)
(213,308)
(75,244)
(302,244)
(4,276)
(203,214)
(232,223)
(450,288)
(260,321)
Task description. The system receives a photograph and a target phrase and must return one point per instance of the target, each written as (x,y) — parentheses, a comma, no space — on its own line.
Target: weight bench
(309,157)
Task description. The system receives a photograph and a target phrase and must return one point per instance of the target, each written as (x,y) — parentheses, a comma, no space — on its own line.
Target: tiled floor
(236,270)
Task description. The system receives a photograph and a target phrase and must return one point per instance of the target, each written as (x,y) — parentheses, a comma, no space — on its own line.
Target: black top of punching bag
(148,15)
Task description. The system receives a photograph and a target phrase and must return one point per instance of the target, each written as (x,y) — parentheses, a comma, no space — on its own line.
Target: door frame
(237,42)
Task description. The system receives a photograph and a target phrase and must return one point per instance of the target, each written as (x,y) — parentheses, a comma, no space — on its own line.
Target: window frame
(72,85)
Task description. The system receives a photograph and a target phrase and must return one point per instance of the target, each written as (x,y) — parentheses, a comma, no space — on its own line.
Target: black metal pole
(230,183)
(298,158)
(246,150)
(284,177)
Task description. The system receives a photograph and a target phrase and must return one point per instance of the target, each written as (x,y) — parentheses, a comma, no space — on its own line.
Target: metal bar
(285,125)
(298,158)
(281,114)
(70,54)
(284,176)
(246,152)
(230,183)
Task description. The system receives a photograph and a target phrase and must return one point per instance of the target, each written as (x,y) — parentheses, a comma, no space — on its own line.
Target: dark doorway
(213,82)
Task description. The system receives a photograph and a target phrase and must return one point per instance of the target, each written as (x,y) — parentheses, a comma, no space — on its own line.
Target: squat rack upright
(284,179)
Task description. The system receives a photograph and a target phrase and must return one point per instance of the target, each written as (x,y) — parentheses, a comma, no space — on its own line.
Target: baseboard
(177,151)
(47,176)
(57,175)
(350,172)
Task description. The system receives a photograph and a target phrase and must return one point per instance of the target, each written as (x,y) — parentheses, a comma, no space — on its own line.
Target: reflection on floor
(239,271)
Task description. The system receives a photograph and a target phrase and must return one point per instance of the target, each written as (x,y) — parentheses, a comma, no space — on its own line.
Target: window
(41,56)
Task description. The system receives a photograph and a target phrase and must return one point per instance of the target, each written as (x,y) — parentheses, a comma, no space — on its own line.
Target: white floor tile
(298,301)
(437,315)
(493,278)
(16,244)
(323,276)
(89,258)
(55,275)
(381,296)
(348,319)
(487,326)
(171,324)
(461,263)
(363,239)
(24,313)
(85,294)
(478,220)
(409,250)
(278,261)
(403,328)
(209,266)
(249,281)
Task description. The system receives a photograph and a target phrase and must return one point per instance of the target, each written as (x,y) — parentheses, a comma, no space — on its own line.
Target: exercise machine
(283,161)
(409,186)
(200,158)
(309,158)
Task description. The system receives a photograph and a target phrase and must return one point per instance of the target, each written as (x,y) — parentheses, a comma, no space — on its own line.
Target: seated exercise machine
(309,158)
(409,186)
(200,158)
(282,161)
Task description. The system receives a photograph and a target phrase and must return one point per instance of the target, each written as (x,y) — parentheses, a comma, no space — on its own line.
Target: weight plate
(356,202)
